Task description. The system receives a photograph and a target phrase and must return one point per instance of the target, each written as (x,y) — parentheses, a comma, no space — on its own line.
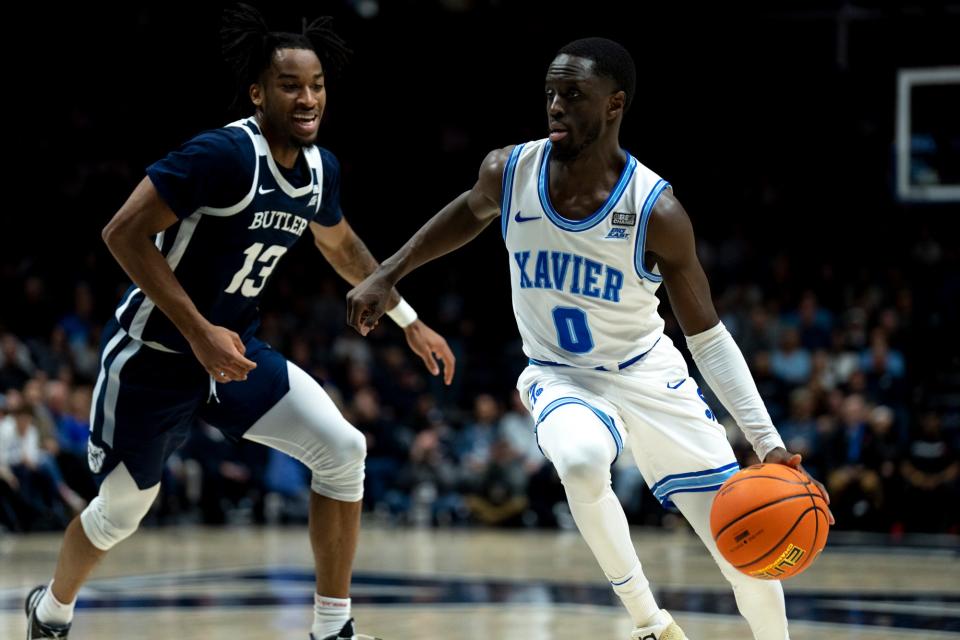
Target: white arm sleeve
(723,367)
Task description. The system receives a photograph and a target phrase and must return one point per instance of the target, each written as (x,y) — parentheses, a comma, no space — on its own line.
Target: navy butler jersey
(239,213)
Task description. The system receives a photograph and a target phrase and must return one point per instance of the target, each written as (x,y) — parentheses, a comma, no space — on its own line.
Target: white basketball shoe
(666,630)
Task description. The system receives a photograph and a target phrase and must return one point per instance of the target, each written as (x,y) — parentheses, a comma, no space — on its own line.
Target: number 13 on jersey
(250,287)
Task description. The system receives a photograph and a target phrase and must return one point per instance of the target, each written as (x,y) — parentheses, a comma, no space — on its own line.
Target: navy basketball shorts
(146,401)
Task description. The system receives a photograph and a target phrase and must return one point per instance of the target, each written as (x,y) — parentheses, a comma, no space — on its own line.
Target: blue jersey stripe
(640,247)
(693,483)
(508,173)
(604,418)
(620,366)
(693,474)
(669,504)
(595,218)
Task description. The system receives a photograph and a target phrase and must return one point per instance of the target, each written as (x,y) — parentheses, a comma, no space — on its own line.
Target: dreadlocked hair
(329,47)
(247,45)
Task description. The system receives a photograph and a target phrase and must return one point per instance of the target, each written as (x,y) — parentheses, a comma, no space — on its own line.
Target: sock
(634,591)
(329,615)
(604,527)
(52,611)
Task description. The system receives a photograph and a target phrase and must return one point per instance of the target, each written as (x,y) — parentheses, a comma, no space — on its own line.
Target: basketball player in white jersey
(590,234)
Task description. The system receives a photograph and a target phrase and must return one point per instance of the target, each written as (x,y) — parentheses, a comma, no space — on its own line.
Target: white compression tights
(307,425)
(759,601)
(304,424)
(582,449)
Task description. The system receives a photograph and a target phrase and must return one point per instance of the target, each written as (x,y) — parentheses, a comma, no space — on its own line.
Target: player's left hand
(793,460)
(430,346)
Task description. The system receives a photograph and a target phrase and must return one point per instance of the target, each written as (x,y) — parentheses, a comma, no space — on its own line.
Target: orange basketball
(769,521)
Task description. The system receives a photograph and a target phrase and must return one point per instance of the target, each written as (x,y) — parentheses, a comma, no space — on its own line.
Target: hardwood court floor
(243,583)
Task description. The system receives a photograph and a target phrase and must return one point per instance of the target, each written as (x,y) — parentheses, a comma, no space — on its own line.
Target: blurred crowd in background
(779,143)
(835,361)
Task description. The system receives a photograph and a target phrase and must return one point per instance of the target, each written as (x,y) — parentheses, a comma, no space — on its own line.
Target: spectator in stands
(427,488)
(772,389)
(931,470)
(33,476)
(498,496)
(475,440)
(516,428)
(855,488)
(16,365)
(388,444)
(813,323)
(799,429)
(791,362)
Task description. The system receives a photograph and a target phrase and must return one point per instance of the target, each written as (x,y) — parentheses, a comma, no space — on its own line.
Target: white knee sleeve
(117,511)
(581,449)
(307,425)
(339,474)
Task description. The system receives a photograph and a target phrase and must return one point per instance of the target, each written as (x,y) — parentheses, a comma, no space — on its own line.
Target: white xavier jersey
(582,295)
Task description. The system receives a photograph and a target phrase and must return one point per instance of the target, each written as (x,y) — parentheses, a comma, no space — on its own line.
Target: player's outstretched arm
(670,240)
(455,225)
(350,258)
(348,255)
(129,235)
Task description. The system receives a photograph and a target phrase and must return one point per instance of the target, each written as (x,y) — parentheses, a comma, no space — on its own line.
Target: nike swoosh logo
(520,218)
(264,192)
(676,386)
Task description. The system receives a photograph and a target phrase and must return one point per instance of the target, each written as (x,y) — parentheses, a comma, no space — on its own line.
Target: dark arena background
(816,147)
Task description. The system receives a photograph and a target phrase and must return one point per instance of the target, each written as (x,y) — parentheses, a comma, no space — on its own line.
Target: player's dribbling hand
(366,302)
(220,351)
(793,460)
(430,346)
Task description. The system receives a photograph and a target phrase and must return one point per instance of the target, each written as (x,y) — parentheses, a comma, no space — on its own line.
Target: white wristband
(403,314)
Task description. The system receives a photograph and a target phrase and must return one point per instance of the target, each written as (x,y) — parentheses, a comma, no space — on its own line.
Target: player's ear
(256,94)
(615,104)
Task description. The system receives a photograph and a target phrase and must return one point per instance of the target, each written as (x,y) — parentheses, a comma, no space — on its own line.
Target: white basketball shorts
(655,405)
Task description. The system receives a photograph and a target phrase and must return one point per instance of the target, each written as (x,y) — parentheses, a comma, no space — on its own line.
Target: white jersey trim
(184,235)
(247,199)
(112,379)
(288,188)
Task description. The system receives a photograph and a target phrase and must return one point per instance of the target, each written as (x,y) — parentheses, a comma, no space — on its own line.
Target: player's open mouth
(557,132)
(305,124)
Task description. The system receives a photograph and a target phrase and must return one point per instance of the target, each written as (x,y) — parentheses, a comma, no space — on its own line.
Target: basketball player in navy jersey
(591,233)
(181,347)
